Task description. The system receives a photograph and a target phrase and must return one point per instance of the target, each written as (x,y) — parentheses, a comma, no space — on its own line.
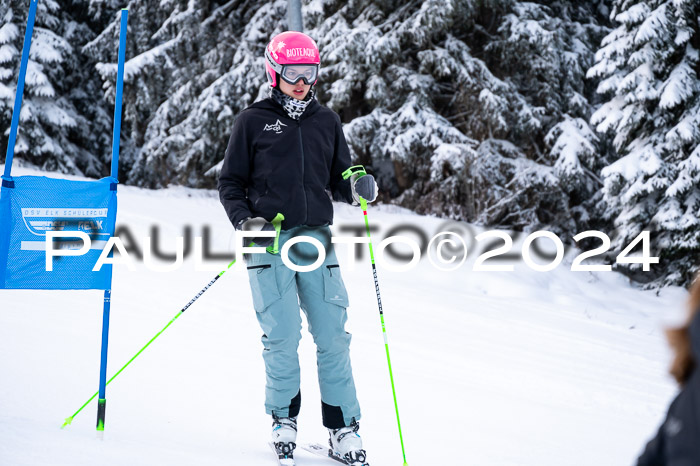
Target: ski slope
(491,368)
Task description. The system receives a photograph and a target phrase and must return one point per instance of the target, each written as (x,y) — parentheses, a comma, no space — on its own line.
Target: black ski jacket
(678,440)
(274,164)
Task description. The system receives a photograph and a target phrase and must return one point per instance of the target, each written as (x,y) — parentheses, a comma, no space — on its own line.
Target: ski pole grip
(277,223)
(358,170)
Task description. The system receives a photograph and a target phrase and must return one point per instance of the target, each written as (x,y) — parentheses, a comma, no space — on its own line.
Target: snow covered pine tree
(649,66)
(60,128)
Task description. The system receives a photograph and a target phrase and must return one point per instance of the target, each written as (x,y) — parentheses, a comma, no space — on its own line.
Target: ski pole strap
(277,223)
(354,170)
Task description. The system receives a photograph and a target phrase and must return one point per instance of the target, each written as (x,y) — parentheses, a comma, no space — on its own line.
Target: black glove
(366,187)
(258,224)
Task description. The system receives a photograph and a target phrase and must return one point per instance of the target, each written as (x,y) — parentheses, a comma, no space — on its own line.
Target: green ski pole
(277,222)
(359,170)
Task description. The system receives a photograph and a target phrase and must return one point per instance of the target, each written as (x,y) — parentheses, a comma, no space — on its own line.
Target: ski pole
(359,170)
(277,221)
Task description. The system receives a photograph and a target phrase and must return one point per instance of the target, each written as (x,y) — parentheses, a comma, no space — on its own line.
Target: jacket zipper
(303,185)
(331,267)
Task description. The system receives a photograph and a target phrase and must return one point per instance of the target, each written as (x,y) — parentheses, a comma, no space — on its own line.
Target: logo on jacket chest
(276,127)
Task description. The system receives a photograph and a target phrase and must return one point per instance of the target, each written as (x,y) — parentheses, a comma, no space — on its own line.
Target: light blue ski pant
(278,292)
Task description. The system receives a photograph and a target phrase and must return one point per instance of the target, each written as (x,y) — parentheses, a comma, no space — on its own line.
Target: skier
(677,442)
(284,154)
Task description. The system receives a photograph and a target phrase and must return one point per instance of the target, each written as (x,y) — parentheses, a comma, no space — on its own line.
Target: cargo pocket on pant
(333,286)
(263,285)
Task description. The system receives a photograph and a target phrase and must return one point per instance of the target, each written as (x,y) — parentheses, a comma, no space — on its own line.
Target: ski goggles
(293,73)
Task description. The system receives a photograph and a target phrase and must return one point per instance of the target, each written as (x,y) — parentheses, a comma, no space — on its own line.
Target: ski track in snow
(495,368)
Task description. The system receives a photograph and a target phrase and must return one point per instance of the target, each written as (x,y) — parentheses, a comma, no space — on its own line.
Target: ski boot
(346,445)
(284,437)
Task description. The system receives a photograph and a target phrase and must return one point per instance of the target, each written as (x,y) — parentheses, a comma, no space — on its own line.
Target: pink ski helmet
(292,56)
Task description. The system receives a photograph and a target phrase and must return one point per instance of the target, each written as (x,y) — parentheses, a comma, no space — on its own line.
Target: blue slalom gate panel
(83,211)
(31,206)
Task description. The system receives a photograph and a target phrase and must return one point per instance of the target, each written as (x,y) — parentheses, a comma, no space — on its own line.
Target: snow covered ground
(499,368)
